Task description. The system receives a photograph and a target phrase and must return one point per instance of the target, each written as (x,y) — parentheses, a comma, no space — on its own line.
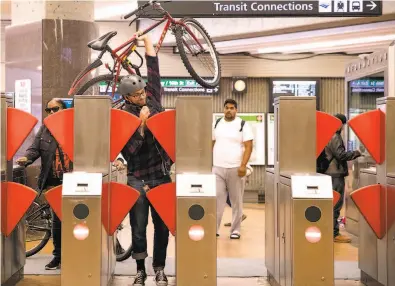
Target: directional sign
(273,8)
(185,85)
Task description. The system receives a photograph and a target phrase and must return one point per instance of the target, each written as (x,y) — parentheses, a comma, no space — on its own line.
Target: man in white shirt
(232,148)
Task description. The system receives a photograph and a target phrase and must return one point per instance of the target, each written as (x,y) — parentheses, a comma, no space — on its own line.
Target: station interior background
(257,50)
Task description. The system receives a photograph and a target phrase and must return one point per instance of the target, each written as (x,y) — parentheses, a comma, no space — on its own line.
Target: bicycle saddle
(100,43)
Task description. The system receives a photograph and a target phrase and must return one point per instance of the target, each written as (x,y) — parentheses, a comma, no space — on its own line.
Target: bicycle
(38,227)
(178,28)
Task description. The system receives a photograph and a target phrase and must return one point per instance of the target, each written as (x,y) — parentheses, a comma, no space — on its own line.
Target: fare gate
(89,207)
(375,198)
(15,198)
(299,202)
(188,206)
(89,204)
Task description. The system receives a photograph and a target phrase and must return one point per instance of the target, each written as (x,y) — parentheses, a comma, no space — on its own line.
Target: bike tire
(125,255)
(185,60)
(93,81)
(41,245)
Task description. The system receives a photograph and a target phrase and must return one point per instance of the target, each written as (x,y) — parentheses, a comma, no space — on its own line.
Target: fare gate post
(196,242)
(15,198)
(87,250)
(299,218)
(90,204)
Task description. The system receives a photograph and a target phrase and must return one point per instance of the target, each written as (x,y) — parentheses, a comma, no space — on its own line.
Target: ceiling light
(326,44)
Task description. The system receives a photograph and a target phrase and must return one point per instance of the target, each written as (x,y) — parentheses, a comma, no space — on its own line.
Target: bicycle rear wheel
(38,228)
(124,240)
(202,64)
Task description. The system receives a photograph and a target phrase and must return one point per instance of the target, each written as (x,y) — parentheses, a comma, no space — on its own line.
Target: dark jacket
(44,146)
(336,152)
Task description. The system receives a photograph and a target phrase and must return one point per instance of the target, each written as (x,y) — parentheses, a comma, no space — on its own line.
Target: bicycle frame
(121,59)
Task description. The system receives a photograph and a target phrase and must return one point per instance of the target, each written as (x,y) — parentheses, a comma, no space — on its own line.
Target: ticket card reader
(196,229)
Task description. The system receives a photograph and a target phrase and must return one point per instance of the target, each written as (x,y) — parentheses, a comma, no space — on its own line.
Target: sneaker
(53,265)
(140,278)
(228,224)
(160,278)
(342,239)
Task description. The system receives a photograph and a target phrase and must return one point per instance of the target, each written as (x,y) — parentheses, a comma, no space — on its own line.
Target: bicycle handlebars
(144,6)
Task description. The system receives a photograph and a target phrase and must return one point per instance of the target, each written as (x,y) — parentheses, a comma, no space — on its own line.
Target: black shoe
(160,278)
(140,278)
(53,265)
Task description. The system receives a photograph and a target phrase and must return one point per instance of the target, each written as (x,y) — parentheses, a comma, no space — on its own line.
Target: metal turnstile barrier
(299,203)
(89,203)
(196,210)
(375,198)
(15,198)
(188,207)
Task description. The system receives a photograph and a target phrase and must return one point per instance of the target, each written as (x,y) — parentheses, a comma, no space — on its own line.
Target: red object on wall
(370,201)
(15,201)
(61,125)
(326,126)
(123,125)
(163,199)
(369,127)
(19,125)
(163,127)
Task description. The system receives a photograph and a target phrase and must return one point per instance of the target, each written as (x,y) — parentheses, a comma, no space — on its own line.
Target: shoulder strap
(242,124)
(216,123)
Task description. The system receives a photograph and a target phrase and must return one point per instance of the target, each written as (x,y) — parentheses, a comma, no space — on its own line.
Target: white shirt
(229,142)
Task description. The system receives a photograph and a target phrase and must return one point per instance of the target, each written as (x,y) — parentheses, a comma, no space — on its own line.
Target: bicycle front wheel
(198,53)
(124,240)
(38,228)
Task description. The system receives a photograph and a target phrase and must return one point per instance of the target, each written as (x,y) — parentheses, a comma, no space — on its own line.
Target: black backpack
(241,128)
(323,162)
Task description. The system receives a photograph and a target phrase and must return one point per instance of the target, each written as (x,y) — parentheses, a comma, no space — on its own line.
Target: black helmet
(341,117)
(130,84)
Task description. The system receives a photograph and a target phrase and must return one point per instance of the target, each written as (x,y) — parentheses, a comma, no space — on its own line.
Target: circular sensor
(81,211)
(196,212)
(313,214)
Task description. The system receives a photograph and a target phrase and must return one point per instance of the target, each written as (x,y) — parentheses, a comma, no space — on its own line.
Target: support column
(46,47)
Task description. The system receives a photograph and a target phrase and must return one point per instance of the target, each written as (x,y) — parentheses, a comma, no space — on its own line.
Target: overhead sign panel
(225,9)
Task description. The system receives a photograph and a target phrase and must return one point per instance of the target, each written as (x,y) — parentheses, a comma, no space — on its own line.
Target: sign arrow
(372,5)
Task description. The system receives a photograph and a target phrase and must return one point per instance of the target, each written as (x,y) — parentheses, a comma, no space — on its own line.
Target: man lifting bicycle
(147,163)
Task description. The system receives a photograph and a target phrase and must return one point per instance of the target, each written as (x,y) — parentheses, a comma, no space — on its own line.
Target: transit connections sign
(296,8)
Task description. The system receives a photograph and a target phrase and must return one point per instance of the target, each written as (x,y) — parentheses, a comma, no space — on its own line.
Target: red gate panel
(19,125)
(123,125)
(370,129)
(163,199)
(163,127)
(61,125)
(122,198)
(370,201)
(15,201)
(336,198)
(326,126)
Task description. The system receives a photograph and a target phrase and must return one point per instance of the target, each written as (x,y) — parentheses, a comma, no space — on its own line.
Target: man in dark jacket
(148,165)
(338,156)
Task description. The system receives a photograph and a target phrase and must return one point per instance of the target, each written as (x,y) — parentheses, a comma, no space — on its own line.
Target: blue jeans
(139,221)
